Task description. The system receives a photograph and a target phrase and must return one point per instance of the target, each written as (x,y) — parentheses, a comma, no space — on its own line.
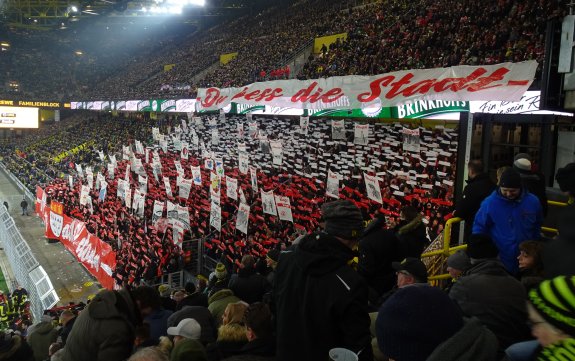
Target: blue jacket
(508,223)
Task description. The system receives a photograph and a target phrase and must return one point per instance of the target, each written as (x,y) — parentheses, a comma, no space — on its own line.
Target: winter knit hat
(416,315)
(554,300)
(481,246)
(164,290)
(459,260)
(221,272)
(342,219)
(566,178)
(510,179)
(522,165)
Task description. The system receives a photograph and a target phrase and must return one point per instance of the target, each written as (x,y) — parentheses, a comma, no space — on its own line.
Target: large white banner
(506,81)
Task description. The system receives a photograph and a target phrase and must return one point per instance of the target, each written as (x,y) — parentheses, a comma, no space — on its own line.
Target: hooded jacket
(473,342)
(249,285)
(218,302)
(321,302)
(104,331)
(509,222)
(40,339)
(488,292)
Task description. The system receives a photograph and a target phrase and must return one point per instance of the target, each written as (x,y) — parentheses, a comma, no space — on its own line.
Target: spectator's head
(178,296)
(522,163)
(474,168)
(66,316)
(408,213)
(164,290)
(248,262)
(530,256)
(481,246)
(458,263)
(258,321)
(272,258)
(187,328)
(409,271)
(566,179)
(149,354)
(221,272)
(500,171)
(147,299)
(414,321)
(552,310)
(234,313)
(190,287)
(510,184)
(343,220)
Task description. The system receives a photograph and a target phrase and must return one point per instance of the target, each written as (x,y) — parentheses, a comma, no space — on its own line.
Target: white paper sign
(242,218)
(372,188)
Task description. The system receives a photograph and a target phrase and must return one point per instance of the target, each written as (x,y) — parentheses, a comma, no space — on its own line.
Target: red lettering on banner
(375,89)
(305,95)
(425,86)
(241,93)
(252,95)
(212,98)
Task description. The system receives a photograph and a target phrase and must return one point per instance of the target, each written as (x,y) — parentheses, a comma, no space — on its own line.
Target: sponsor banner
(94,254)
(506,81)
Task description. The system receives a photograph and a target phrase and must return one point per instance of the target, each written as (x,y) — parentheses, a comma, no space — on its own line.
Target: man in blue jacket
(510,215)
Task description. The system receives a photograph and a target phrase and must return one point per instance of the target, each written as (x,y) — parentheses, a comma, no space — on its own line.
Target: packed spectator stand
(288,159)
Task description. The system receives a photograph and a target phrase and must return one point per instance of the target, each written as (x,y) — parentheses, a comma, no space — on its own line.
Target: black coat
(497,299)
(377,250)
(200,314)
(535,184)
(558,253)
(321,302)
(249,286)
(412,237)
(475,192)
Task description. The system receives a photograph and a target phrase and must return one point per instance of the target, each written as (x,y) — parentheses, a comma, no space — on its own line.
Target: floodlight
(73,9)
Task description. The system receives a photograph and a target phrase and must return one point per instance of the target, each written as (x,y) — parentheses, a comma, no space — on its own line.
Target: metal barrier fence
(25,267)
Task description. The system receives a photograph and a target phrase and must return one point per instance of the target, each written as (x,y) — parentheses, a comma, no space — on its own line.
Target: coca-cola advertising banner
(506,81)
(96,256)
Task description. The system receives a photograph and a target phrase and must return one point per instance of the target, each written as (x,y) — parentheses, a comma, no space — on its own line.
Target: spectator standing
(14,348)
(534,182)
(479,186)
(219,279)
(259,332)
(154,314)
(378,248)
(558,253)
(411,233)
(104,330)
(168,302)
(247,284)
(321,301)
(67,320)
(488,292)
(41,337)
(423,324)
(193,297)
(24,206)
(186,341)
(509,216)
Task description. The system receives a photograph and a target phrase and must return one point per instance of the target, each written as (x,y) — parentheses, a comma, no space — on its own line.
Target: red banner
(94,254)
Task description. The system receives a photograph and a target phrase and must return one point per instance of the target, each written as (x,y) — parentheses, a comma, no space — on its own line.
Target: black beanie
(510,179)
(481,246)
(342,219)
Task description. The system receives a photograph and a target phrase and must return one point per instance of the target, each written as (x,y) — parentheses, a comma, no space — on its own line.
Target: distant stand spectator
(534,182)
(219,280)
(411,233)
(247,284)
(24,206)
(6,205)
(67,320)
(479,186)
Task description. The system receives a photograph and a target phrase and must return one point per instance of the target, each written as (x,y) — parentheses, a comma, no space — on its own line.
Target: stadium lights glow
(73,9)
(5,44)
(171,6)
